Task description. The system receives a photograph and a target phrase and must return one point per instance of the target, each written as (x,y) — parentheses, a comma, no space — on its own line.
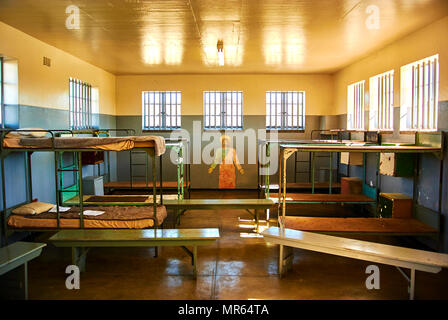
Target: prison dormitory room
(224,150)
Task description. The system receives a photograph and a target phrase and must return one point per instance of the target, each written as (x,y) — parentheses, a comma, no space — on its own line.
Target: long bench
(81,240)
(16,256)
(368,251)
(216,204)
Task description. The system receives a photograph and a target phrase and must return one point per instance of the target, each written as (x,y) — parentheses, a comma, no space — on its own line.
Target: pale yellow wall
(41,86)
(425,42)
(319,90)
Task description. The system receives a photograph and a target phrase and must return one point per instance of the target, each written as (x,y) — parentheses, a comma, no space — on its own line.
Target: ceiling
(180,36)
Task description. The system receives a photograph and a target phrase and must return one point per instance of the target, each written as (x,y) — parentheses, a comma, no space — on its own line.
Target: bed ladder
(133,163)
(67,192)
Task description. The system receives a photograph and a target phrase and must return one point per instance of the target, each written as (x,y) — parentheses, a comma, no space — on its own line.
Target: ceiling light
(220,47)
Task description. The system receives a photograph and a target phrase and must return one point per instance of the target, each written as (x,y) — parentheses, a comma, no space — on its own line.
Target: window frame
(409,108)
(223,115)
(383,96)
(301,111)
(146,111)
(80,105)
(357,97)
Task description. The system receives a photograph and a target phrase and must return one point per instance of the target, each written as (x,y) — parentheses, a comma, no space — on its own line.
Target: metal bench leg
(79,258)
(194,257)
(25,280)
(412,285)
(411,282)
(280,261)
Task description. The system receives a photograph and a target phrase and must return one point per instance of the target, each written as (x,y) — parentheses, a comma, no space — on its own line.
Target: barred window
(80,104)
(420,95)
(223,110)
(381,111)
(355,106)
(285,110)
(161,110)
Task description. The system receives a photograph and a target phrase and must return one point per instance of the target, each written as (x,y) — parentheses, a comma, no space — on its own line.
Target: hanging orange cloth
(227,160)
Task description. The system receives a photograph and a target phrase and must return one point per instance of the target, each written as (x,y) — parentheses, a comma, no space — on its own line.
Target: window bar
(77,104)
(357,106)
(418,95)
(356,103)
(386,100)
(380,103)
(436,92)
(145,110)
(424,95)
(215,115)
(162,111)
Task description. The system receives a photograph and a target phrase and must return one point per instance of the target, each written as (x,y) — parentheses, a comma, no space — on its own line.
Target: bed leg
(156,252)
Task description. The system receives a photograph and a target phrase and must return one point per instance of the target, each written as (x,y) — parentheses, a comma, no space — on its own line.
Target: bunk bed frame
(182,185)
(327,137)
(429,143)
(5,151)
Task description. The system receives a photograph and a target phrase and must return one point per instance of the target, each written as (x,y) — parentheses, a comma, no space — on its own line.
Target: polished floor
(235,267)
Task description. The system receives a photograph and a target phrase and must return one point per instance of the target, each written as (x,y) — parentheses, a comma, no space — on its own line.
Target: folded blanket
(99,143)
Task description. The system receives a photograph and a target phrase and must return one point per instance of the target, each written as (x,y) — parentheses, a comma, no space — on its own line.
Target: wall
(423,43)
(43,103)
(319,100)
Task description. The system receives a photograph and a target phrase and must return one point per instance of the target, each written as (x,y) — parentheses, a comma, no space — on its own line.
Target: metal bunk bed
(334,136)
(183,183)
(54,144)
(431,143)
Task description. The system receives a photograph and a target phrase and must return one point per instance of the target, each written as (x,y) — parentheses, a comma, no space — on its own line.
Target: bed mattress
(15,141)
(115,217)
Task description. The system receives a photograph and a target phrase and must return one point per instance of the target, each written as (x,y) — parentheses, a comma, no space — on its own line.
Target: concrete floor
(232,268)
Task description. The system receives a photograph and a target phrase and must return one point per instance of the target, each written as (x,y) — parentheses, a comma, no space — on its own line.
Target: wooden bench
(216,204)
(368,251)
(81,240)
(16,256)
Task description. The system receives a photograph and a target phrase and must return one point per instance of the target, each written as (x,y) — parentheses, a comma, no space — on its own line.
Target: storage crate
(395,205)
(351,185)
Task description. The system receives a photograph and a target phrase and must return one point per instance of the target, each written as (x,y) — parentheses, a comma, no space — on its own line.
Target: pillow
(33,208)
(24,132)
